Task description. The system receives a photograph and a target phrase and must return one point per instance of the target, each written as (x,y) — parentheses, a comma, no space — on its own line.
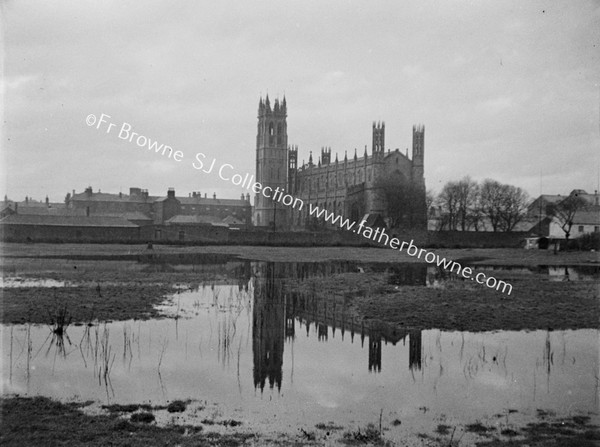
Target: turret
(418,153)
(378,138)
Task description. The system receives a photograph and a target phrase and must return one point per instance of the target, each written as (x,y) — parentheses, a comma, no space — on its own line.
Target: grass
(369,435)
(117,302)
(143,417)
(36,421)
(177,406)
(565,432)
(329,426)
(535,303)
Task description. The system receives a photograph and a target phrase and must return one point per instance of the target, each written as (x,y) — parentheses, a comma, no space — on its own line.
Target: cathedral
(351,186)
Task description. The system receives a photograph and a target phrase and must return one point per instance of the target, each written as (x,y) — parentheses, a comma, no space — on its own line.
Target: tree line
(467,205)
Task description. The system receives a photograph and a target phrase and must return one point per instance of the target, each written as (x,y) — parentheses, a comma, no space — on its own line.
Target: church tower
(418,155)
(271,162)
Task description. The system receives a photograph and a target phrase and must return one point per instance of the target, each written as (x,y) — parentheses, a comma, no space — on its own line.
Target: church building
(351,186)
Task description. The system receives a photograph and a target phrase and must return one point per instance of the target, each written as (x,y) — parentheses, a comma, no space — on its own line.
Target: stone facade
(348,187)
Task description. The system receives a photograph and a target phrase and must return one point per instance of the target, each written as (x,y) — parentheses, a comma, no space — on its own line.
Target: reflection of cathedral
(414,349)
(276,314)
(268,328)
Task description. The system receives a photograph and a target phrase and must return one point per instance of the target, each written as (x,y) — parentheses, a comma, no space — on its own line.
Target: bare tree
(491,202)
(406,202)
(448,202)
(565,210)
(514,207)
(459,205)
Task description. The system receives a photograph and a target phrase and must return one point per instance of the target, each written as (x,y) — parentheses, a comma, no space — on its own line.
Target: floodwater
(284,360)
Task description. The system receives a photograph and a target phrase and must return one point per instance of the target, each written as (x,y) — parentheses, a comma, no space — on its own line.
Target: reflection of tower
(268,328)
(322,331)
(375,352)
(290,327)
(414,349)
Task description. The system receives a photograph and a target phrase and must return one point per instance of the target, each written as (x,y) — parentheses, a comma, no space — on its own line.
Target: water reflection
(241,339)
(275,314)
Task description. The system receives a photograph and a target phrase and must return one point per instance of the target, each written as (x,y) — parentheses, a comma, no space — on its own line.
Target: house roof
(230,220)
(212,202)
(109,197)
(587,218)
(49,211)
(182,219)
(67,221)
(131,215)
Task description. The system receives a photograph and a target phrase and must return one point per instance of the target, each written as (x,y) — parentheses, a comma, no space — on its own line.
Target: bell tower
(418,155)
(271,162)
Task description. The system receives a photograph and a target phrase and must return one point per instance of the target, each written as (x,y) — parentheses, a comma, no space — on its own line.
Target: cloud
(502,87)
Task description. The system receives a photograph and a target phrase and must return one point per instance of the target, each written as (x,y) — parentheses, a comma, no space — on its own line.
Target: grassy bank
(535,303)
(488,256)
(36,421)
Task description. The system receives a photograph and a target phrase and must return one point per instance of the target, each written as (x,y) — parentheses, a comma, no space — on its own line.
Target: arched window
(279,132)
(271,128)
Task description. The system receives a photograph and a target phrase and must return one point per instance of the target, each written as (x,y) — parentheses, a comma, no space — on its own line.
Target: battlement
(279,107)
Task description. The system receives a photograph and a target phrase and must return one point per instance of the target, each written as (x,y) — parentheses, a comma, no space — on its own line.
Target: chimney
(47,201)
(171,193)
(248,197)
(205,195)
(214,196)
(242,196)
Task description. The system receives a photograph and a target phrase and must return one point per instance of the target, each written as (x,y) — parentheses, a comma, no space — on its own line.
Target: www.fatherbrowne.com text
(226,172)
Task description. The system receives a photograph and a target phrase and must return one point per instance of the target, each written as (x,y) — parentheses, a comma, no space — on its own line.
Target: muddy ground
(122,282)
(458,304)
(491,256)
(37,421)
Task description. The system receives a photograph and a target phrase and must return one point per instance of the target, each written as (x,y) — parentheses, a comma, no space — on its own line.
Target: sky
(508,90)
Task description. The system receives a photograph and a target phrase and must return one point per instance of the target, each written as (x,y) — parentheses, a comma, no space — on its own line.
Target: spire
(355,157)
(310,160)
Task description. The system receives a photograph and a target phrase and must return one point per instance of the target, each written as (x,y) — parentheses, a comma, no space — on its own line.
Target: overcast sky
(505,89)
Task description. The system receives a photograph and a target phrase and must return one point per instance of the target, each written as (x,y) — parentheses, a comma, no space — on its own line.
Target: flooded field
(243,347)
